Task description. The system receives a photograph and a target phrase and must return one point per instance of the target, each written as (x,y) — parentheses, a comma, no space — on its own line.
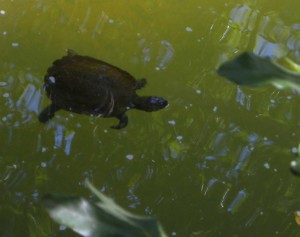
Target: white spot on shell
(52,79)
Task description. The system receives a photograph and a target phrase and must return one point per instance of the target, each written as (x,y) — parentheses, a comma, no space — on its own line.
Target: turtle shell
(87,85)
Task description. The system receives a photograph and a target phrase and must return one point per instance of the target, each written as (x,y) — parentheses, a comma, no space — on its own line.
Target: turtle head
(150,103)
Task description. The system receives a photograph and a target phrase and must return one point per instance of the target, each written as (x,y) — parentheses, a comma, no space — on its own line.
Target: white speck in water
(105,131)
(293,163)
(129,157)
(179,138)
(4,33)
(35,194)
(4,119)
(210,158)
(15,44)
(43,165)
(198,91)
(188,29)
(3,83)
(289,97)
(215,109)
(295,150)
(52,79)
(44,149)
(173,234)
(272,101)
(78,125)
(62,228)
(157,68)
(2,12)
(171,122)
(111,21)
(267,165)
(5,95)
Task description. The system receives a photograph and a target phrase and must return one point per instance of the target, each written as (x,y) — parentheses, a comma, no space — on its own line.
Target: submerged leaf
(252,70)
(100,218)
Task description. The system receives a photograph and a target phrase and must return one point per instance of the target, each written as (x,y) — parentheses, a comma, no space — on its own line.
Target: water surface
(214,163)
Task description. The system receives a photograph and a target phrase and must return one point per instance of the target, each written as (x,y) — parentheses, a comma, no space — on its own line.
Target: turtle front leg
(123,122)
(48,113)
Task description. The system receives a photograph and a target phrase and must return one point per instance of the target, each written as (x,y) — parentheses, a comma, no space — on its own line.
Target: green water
(214,163)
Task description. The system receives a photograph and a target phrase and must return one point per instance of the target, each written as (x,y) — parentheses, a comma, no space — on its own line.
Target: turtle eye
(153,100)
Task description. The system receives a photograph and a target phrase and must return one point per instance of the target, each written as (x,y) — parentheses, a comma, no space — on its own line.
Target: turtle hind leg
(123,122)
(48,113)
(141,83)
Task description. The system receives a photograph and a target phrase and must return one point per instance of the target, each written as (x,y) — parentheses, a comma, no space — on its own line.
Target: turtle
(85,85)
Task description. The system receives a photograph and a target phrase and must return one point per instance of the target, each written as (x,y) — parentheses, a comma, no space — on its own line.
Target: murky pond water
(213,163)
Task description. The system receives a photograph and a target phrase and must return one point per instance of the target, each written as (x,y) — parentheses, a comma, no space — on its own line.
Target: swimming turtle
(86,85)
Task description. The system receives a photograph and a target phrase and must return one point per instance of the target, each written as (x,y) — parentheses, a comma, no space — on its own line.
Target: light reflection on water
(272,38)
(28,101)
